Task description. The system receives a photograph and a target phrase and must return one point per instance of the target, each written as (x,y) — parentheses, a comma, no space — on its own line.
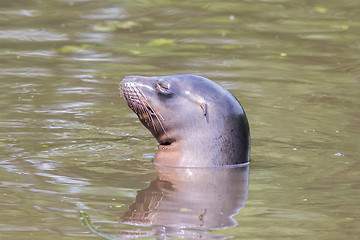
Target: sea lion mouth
(139,103)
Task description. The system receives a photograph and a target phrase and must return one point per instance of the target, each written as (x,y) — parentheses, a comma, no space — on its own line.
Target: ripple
(34,35)
(57,179)
(76,90)
(26,72)
(107,13)
(37,54)
(10,15)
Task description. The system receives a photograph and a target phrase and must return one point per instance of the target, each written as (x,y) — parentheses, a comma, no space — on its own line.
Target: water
(69,142)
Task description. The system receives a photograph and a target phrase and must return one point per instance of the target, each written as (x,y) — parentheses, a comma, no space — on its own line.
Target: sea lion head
(197,122)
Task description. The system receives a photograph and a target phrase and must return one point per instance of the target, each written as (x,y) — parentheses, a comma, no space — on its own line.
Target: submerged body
(197,122)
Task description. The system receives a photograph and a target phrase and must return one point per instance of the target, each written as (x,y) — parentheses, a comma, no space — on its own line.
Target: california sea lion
(197,122)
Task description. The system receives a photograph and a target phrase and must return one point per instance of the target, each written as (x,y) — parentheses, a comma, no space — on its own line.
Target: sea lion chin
(197,122)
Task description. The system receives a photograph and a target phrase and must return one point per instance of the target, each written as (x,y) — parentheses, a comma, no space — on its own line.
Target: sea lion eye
(162,87)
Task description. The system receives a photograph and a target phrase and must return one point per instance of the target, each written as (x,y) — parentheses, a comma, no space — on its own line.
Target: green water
(68,142)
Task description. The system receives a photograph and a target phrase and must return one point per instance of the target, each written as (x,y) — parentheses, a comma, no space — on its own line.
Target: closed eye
(163,88)
(164,85)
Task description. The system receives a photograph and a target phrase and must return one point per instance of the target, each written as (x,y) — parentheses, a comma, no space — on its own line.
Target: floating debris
(111,26)
(340,27)
(161,42)
(320,9)
(72,48)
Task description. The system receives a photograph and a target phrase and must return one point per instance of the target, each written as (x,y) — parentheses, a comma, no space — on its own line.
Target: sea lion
(197,122)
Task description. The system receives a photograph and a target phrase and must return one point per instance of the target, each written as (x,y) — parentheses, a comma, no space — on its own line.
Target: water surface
(68,142)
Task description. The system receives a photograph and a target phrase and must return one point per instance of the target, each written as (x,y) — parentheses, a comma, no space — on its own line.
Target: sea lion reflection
(183,201)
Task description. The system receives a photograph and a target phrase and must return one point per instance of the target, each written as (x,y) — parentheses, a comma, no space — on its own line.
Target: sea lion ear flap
(204,108)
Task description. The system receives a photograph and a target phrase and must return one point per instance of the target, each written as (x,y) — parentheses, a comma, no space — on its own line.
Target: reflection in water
(183,201)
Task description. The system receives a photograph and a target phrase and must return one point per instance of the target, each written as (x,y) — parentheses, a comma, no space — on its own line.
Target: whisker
(155,113)
(139,103)
(140,96)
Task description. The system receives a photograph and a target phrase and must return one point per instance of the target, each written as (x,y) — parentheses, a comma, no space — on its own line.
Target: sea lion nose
(129,81)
